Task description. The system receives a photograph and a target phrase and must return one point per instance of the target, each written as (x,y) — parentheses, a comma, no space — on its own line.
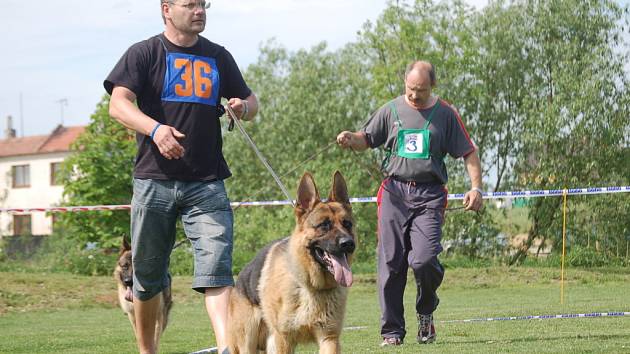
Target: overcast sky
(62,50)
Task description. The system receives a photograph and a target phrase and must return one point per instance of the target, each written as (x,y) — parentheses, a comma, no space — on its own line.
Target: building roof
(58,141)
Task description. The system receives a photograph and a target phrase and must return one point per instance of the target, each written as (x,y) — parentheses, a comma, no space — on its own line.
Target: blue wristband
(154,130)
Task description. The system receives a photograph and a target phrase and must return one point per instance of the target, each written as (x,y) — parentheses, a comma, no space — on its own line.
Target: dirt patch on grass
(108,300)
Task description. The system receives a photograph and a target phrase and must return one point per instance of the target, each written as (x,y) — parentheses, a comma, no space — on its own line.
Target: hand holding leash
(355,141)
(344,138)
(240,107)
(232,114)
(473,199)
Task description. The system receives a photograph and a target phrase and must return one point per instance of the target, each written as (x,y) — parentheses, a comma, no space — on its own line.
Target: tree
(306,98)
(577,105)
(501,75)
(99,173)
(444,34)
(541,86)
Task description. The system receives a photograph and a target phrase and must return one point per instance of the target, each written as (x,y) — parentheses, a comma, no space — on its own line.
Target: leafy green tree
(99,173)
(541,85)
(501,76)
(576,107)
(444,34)
(423,29)
(307,98)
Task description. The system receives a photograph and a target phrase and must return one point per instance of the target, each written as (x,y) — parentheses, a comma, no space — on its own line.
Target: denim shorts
(207,219)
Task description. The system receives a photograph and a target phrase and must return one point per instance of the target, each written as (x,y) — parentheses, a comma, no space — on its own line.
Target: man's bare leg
(146,314)
(217,300)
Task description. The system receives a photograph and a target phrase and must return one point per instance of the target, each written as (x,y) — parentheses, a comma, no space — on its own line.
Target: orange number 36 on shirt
(190,78)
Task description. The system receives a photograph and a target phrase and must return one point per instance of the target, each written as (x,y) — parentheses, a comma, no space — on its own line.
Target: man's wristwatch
(477,190)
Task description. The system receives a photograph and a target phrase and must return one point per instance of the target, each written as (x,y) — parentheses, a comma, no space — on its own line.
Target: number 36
(194,78)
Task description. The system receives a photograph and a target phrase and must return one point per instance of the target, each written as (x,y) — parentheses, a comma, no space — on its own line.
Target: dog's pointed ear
(339,190)
(125,244)
(307,195)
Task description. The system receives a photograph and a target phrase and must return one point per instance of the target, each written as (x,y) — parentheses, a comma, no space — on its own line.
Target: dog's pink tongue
(129,294)
(343,274)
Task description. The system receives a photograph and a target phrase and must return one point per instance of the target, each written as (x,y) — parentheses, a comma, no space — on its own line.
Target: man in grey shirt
(417,130)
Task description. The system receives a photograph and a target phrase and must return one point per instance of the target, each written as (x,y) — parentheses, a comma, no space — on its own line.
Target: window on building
(55,174)
(21,225)
(21,176)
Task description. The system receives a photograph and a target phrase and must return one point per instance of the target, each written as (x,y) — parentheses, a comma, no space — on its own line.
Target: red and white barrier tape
(487,195)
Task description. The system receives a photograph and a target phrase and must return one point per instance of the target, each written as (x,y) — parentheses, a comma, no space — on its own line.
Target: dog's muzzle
(128,281)
(346,245)
(332,255)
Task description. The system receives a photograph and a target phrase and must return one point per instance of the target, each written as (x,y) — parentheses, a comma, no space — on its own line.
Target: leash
(180,243)
(320,151)
(234,120)
(258,153)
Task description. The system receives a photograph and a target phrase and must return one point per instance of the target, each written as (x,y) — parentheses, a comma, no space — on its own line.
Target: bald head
(419,82)
(423,68)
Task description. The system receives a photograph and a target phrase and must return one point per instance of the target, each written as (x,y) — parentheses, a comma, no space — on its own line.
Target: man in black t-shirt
(177,79)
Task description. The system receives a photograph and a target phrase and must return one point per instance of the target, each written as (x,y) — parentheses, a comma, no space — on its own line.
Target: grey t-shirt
(448,135)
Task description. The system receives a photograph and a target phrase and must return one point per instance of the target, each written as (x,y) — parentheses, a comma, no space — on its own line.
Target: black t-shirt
(185,97)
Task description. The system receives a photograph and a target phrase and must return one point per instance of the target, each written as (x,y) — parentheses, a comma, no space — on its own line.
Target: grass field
(62,313)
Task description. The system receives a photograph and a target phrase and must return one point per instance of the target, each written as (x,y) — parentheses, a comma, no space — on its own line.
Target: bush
(589,257)
(60,254)
(93,262)
(579,256)
(21,247)
(462,261)
(365,267)
(3,256)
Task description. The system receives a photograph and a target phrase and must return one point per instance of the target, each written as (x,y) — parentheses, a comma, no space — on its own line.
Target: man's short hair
(421,65)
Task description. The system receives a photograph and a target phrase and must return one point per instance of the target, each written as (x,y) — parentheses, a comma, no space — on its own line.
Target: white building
(29,169)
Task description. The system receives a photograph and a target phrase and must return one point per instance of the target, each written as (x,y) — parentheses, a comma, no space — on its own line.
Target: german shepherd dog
(123,273)
(295,289)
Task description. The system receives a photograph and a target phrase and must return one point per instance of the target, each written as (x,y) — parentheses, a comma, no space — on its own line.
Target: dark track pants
(410,218)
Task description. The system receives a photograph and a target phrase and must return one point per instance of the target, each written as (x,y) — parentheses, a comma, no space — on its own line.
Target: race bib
(191,78)
(413,143)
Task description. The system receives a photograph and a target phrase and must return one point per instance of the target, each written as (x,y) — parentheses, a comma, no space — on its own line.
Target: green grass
(63,313)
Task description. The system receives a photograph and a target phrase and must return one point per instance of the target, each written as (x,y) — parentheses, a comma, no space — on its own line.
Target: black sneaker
(426,329)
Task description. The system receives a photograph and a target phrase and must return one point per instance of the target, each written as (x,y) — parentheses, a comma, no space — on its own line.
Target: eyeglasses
(191,6)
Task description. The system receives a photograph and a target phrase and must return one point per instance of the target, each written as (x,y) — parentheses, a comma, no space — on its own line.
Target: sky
(57,54)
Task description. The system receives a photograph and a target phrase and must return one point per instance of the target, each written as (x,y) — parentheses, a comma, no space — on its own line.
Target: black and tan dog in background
(295,289)
(123,273)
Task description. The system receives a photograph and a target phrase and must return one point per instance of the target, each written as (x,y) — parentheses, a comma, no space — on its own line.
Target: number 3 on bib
(413,143)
